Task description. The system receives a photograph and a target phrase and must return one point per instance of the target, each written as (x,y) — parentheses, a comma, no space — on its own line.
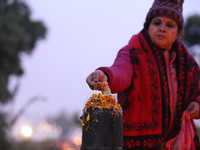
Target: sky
(81,36)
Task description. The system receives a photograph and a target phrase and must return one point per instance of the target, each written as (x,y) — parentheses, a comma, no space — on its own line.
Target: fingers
(104,79)
(193,109)
(96,76)
(89,81)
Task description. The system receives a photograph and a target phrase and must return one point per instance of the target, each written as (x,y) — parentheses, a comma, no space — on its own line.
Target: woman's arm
(121,72)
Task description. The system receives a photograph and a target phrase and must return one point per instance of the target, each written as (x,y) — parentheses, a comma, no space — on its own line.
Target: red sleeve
(121,72)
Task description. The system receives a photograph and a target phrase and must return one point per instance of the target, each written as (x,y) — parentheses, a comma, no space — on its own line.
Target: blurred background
(48,48)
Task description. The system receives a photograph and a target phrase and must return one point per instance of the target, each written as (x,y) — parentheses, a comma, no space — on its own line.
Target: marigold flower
(83,123)
(100,101)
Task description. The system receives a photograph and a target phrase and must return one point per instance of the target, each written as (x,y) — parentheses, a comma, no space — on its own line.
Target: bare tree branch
(26,105)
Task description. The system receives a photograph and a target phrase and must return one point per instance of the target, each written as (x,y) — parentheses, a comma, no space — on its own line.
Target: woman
(156,80)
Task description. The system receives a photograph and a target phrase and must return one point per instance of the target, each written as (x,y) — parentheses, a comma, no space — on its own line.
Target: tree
(18,34)
(191,31)
(4,144)
(191,36)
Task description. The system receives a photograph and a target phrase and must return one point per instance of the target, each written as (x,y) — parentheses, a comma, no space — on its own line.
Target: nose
(162,28)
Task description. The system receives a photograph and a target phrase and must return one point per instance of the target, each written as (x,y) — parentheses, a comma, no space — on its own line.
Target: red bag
(184,140)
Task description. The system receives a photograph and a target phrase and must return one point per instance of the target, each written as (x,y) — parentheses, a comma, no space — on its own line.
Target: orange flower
(88,117)
(99,101)
(83,123)
(101,86)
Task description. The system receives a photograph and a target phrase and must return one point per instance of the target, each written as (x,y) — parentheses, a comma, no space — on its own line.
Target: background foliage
(18,34)
(191,31)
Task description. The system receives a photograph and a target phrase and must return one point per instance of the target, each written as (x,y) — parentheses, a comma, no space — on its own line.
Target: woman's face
(163,32)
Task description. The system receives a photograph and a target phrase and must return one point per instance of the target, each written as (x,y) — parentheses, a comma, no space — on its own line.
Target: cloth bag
(184,140)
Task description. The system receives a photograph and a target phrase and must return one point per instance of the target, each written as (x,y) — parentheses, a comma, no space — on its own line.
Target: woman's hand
(96,76)
(193,109)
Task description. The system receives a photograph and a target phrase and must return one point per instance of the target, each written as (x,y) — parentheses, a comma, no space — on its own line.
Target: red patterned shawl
(146,109)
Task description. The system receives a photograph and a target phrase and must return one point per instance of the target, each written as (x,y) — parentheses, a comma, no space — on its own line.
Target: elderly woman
(156,80)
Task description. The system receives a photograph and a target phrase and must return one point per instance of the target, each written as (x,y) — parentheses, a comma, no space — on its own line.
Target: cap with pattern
(167,8)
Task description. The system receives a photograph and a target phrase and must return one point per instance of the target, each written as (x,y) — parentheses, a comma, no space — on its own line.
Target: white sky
(82,36)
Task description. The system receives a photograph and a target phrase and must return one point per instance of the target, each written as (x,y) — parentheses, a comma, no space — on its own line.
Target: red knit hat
(167,8)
